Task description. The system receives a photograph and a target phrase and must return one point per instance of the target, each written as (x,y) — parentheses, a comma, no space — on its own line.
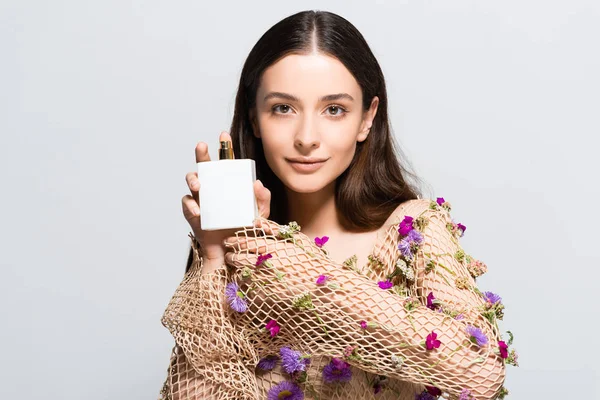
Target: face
(309,116)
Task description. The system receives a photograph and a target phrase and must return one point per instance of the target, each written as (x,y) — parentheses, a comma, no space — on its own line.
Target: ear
(367,121)
(254,123)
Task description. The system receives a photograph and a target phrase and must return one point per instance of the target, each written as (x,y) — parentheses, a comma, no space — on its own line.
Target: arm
(208,358)
(326,319)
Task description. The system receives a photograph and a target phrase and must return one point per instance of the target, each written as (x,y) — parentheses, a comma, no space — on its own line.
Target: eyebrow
(329,97)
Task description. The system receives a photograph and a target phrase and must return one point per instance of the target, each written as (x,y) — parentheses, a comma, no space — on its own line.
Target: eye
(336,111)
(283,109)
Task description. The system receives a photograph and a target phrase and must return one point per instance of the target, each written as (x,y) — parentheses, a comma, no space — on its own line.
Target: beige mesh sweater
(284,321)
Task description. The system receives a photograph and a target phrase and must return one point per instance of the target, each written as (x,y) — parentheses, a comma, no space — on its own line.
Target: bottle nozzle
(225,151)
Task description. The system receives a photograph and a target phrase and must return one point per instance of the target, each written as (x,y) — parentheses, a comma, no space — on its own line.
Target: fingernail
(195,184)
(196,211)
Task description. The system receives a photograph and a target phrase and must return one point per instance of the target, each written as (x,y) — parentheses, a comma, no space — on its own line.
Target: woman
(374,296)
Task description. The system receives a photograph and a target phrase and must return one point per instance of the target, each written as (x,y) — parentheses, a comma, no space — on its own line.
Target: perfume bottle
(226,192)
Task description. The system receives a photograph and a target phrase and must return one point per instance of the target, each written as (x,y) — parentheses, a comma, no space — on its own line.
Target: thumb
(263,199)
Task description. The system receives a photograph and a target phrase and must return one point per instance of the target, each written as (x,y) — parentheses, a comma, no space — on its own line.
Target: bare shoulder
(409,208)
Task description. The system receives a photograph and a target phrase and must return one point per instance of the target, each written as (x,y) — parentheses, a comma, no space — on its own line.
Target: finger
(258,245)
(269,227)
(202,152)
(225,137)
(240,260)
(192,181)
(191,212)
(263,199)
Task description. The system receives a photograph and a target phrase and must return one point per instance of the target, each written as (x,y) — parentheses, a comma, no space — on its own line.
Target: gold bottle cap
(225,151)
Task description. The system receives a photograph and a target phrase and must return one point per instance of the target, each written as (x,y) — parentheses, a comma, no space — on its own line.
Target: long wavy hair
(377,180)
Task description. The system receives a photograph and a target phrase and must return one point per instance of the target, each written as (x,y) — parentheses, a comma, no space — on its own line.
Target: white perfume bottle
(226,192)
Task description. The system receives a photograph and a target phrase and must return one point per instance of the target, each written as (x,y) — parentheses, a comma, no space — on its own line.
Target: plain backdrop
(495,103)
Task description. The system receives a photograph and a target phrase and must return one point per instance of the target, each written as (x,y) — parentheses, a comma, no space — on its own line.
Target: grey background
(101,105)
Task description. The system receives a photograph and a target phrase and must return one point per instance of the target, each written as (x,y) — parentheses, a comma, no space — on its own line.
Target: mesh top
(295,324)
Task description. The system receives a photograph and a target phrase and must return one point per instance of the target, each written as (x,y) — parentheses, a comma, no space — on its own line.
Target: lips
(306,167)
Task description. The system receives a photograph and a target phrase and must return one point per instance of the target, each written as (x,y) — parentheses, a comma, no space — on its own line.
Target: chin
(305,183)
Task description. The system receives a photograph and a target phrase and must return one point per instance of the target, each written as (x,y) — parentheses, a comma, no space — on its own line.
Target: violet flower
(415,236)
(285,390)
(321,241)
(503,347)
(476,335)
(440,201)
(432,342)
(363,324)
(272,327)
(322,279)
(461,228)
(293,361)
(432,390)
(492,298)
(385,284)
(431,303)
(235,297)
(406,225)
(262,258)
(424,396)
(337,371)
(466,395)
(267,363)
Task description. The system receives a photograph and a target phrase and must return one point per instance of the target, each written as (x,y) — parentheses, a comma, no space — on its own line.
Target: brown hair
(375,182)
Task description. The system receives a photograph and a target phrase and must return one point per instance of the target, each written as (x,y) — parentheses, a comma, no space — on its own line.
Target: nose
(307,136)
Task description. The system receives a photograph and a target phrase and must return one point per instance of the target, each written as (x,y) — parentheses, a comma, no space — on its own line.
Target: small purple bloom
(337,371)
(262,258)
(466,395)
(432,342)
(476,335)
(430,301)
(405,248)
(363,324)
(406,225)
(424,396)
(267,363)
(321,241)
(440,201)
(235,297)
(322,279)
(459,317)
(415,236)
(285,390)
(273,327)
(292,361)
(491,298)
(385,284)
(461,228)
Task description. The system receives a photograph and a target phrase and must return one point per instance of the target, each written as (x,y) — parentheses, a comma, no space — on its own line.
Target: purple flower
(267,363)
(432,342)
(466,395)
(432,390)
(292,361)
(363,324)
(322,279)
(415,236)
(459,317)
(285,390)
(491,298)
(385,284)
(262,258)
(321,241)
(272,327)
(337,371)
(405,248)
(235,297)
(461,228)
(424,396)
(431,303)
(503,347)
(406,225)
(440,201)
(476,335)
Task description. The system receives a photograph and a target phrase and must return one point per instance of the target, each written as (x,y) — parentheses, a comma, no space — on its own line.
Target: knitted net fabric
(383,334)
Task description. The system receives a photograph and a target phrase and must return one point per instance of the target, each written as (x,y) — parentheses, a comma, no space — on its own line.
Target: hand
(297,258)
(211,242)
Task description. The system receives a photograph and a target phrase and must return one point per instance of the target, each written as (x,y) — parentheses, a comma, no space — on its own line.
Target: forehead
(309,77)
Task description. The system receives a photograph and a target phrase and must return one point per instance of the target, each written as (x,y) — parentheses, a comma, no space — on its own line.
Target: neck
(316,213)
